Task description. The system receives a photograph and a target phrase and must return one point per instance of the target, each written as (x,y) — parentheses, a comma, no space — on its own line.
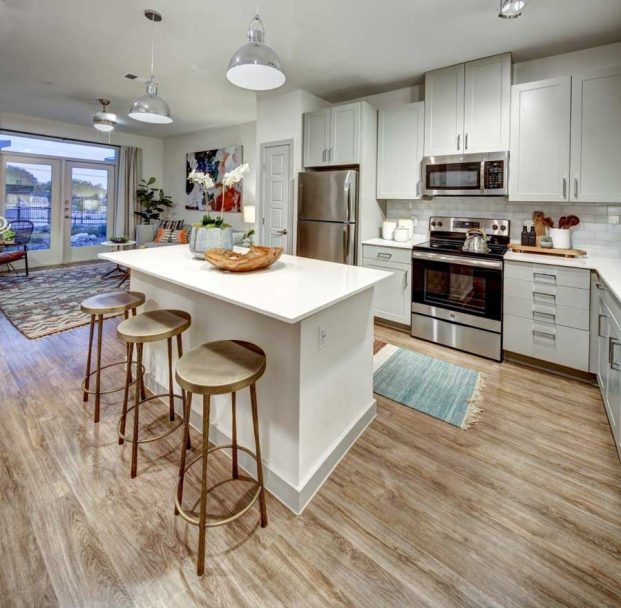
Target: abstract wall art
(216,162)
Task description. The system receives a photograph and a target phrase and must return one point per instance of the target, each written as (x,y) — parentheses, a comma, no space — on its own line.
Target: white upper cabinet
(540,131)
(467,107)
(332,136)
(487,101)
(316,138)
(400,136)
(345,135)
(596,137)
(444,111)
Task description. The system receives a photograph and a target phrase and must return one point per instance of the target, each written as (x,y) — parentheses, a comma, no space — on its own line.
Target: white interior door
(30,190)
(87,209)
(277,196)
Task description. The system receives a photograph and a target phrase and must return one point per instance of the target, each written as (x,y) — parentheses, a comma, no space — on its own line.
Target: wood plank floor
(522,510)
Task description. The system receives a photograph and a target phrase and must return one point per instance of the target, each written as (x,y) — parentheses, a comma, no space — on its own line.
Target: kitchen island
(313,319)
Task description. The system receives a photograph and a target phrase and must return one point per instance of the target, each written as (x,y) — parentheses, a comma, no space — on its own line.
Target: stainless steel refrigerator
(327,214)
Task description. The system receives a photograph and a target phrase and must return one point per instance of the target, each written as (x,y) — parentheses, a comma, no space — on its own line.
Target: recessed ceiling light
(511,9)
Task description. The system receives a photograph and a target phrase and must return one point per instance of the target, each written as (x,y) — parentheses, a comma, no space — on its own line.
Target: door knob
(283,231)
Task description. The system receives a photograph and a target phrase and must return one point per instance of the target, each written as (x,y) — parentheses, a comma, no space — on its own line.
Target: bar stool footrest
(219,522)
(158,437)
(111,390)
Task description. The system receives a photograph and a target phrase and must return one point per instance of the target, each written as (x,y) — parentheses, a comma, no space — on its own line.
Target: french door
(67,201)
(88,192)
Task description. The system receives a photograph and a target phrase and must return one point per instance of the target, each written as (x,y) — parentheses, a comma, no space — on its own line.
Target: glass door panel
(88,209)
(30,192)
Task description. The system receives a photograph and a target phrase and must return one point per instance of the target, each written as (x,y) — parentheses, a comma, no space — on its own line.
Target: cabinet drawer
(387,254)
(548,275)
(547,312)
(554,343)
(544,294)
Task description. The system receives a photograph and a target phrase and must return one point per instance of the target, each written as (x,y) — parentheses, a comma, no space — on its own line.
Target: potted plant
(152,201)
(8,237)
(209,233)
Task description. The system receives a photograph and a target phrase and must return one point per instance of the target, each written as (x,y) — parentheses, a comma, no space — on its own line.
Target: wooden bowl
(257,258)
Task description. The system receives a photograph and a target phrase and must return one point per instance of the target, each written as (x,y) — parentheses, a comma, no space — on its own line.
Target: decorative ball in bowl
(257,258)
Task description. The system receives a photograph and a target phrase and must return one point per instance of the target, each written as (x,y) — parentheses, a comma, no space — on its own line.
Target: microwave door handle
(482,177)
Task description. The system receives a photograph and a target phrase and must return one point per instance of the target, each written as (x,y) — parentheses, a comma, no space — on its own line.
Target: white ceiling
(337,49)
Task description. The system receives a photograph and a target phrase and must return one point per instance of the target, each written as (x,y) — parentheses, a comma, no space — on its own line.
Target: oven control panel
(490,227)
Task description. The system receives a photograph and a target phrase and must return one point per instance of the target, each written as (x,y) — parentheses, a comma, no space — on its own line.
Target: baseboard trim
(294,497)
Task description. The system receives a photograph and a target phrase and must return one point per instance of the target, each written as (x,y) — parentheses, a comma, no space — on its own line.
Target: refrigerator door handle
(346,244)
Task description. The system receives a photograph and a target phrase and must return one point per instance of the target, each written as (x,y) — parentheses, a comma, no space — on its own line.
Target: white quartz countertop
(608,269)
(415,240)
(290,290)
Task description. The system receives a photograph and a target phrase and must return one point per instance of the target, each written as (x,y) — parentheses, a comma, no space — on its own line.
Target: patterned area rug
(48,301)
(445,391)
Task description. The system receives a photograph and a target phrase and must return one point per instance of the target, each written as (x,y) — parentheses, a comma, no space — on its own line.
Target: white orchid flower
(235,175)
(204,179)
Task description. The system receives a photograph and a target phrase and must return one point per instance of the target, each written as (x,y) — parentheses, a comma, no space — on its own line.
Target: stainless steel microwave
(466,175)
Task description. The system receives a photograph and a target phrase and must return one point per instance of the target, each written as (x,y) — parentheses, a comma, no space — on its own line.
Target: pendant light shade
(255,65)
(511,9)
(150,107)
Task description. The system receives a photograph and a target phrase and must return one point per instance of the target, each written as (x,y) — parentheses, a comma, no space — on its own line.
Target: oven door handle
(454,259)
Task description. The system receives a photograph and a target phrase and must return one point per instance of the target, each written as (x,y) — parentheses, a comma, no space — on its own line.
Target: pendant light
(255,65)
(150,107)
(511,9)
(104,121)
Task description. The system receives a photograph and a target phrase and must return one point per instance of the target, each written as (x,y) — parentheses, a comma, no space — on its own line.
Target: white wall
(176,149)
(280,118)
(152,148)
(395,98)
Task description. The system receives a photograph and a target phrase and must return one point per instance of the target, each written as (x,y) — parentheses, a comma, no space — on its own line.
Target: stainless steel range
(457,294)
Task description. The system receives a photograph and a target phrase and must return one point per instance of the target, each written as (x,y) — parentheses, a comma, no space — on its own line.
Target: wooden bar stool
(151,326)
(217,368)
(97,306)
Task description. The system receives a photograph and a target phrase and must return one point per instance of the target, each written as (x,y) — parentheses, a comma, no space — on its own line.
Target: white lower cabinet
(546,313)
(607,341)
(392,300)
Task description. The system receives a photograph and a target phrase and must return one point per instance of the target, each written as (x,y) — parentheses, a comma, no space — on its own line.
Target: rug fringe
(474,411)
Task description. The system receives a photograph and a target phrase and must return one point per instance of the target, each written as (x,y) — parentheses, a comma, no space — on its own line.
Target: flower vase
(204,238)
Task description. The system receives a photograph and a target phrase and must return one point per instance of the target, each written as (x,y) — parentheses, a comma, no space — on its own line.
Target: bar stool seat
(115,302)
(154,325)
(220,367)
(151,326)
(112,302)
(216,368)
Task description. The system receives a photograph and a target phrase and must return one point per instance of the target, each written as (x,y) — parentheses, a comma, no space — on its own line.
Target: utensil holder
(561,238)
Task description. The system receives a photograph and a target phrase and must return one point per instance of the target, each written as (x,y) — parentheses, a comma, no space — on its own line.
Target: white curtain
(128,176)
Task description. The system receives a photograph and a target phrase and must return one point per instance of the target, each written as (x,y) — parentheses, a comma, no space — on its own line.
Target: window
(59,148)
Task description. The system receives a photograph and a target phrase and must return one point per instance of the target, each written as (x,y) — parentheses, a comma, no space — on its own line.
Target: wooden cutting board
(565,253)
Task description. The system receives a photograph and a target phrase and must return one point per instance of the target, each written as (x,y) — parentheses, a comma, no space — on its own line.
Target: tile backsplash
(595,232)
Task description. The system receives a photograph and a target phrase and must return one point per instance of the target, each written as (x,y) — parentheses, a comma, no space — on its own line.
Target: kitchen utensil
(401,235)
(476,241)
(561,222)
(549,222)
(538,222)
(388,228)
(561,238)
(572,220)
(257,258)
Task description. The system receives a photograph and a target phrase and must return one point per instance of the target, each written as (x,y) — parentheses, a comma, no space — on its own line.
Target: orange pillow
(171,236)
